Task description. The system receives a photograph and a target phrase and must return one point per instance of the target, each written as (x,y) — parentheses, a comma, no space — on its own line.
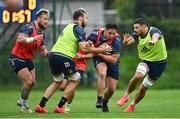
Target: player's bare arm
(43,51)
(23,38)
(155,38)
(128,39)
(109,58)
(80,56)
(85,48)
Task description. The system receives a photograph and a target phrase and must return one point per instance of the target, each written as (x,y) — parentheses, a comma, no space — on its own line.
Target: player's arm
(23,38)
(25,32)
(128,39)
(43,51)
(109,58)
(80,56)
(154,39)
(90,47)
(155,36)
(84,46)
(113,58)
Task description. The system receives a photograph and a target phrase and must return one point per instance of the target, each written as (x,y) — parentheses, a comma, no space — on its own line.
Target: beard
(83,24)
(41,26)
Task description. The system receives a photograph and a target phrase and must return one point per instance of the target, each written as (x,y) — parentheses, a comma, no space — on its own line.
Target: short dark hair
(111,26)
(79,12)
(140,21)
(42,11)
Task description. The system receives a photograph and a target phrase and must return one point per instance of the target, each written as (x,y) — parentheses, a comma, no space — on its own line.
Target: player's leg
(33,74)
(55,66)
(28,82)
(74,81)
(26,73)
(69,92)
(31,68)
(62,87)
(111,87)
(147,82)
(23,90)
(47,95)
(155,71)
(141,71)
(101,69)
(68,103)
(111,82)
(69,69)
(64,83)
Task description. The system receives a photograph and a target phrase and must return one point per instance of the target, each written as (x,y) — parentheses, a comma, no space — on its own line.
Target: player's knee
(63,85)
(138,76)
(147,82)
(102,75)
(112,89)
(30,83)
(76,82)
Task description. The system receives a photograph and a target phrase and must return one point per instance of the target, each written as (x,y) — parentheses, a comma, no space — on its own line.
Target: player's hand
(38,37)
(127,37)
(90,43)
(151,42)
(107,49)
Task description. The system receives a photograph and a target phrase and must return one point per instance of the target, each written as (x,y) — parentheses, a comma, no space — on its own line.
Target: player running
(153,57)
(107,65)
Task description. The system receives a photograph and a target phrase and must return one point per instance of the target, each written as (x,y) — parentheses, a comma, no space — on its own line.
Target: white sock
(24,102)
(133,103)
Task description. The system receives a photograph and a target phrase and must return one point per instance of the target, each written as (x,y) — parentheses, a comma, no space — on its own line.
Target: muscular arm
(23,38)
(154,39)
(25,32)
(128,39)
(84,56)
(84,46)
(43,51)
(109,58)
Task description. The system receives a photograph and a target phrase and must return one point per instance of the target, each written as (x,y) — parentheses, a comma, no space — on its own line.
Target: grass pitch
(156,104)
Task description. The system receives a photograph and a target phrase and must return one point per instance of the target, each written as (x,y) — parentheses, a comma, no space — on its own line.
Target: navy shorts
(113,69)
(18,64)
(155,68)
(60,63)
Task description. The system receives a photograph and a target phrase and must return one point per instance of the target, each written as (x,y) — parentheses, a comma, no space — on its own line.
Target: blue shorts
(60,63)
(155,68)
(113,69)
(18,63)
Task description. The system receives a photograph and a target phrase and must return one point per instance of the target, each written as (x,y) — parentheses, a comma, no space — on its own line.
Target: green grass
(156,104)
